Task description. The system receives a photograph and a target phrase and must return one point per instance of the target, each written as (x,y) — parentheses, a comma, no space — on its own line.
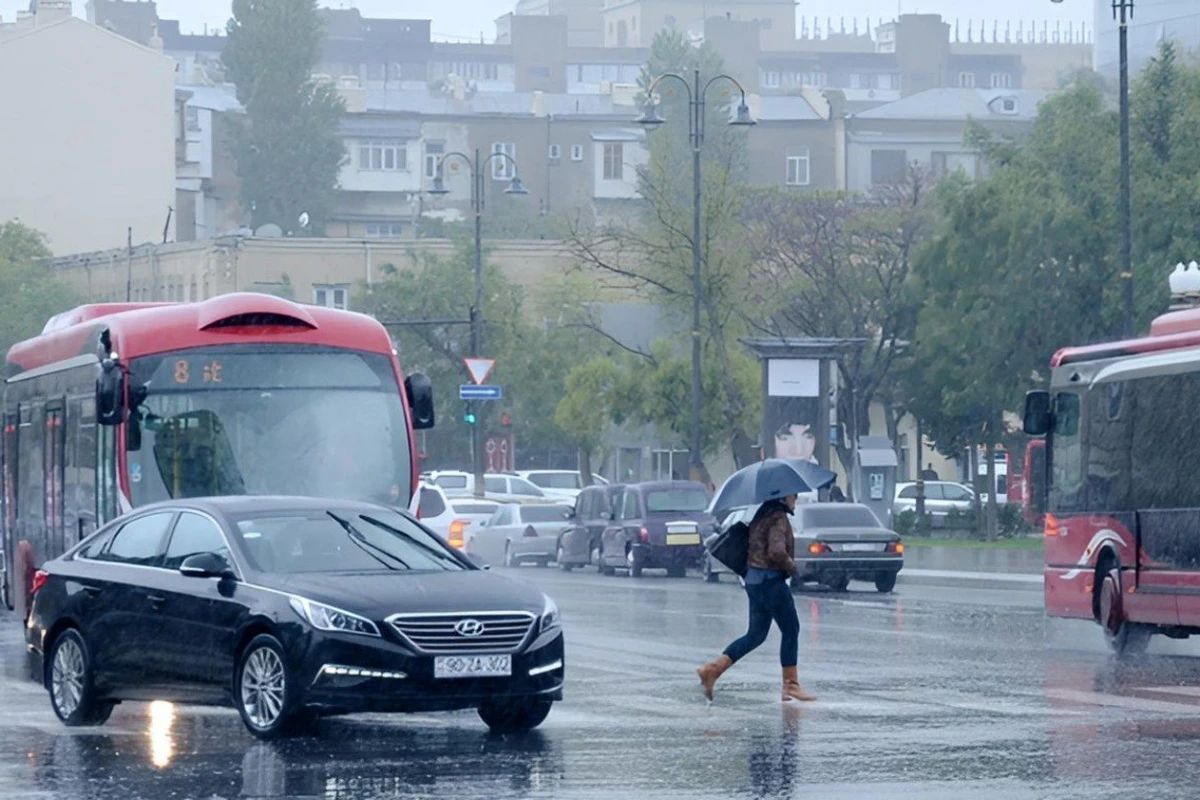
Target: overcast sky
(469,18)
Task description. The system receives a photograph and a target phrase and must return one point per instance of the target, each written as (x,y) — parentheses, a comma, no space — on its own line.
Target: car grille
(441,634)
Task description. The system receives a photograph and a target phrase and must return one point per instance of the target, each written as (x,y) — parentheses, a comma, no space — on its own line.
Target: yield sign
(479,368)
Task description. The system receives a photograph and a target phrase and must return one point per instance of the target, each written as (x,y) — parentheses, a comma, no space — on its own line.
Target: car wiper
(366,545)
(412,539)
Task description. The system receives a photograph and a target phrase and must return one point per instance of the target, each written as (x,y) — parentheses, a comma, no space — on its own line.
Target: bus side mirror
(419,392)
(110,393)
(1038,415)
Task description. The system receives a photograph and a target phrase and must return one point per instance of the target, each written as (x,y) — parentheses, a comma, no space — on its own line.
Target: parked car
(941,497)
(520,533)
(559,483)
(840,542)
(658,525)
(288,608)
(496,486)
(579,544)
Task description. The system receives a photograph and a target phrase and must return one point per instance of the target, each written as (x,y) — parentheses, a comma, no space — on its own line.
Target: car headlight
(328,618)
(550,617)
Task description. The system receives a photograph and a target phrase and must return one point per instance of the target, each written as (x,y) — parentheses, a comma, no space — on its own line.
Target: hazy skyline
(470,18)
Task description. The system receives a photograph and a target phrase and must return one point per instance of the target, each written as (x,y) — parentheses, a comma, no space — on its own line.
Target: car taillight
(39,580)
(817,548)
(896,547)
(456,532)
(644,535)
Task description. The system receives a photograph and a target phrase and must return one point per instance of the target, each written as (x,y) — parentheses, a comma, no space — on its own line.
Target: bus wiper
(366,545)
(410,538)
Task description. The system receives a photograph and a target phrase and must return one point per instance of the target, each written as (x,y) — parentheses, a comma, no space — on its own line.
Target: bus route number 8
(182,371)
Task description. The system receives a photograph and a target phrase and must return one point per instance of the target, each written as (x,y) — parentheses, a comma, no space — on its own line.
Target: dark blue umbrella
(772,479)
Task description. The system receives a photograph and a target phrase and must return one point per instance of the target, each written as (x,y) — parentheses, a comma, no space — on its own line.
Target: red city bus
(1033,487)
(1122,519)
(118,405)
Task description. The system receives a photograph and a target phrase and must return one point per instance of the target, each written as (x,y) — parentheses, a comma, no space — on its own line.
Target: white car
(496,486)
(941,497)
(520,533)
(559,483)
(451,517)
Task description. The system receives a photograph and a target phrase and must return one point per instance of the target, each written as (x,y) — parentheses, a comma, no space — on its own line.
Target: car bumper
(665,556)
(853,566)
(540,547)
(392,678)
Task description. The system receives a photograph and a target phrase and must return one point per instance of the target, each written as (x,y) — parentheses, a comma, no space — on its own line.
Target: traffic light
(469,414)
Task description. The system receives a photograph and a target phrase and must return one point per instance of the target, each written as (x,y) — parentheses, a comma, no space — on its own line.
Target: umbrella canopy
(771,479)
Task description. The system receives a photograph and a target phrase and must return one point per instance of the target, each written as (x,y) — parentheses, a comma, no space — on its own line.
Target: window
(382,156)
(797,170)
(554,513)
(888,166)
(554,152)
(1066,490)
(577,152)
(433,157)
(385,230)
(193,118)
(958,494)
(451,481)
(193,535)
(966,80)
(139,541)
(770,79)
(502,164)
(614,161)
(496,485)
(681,500)
(629,506)
(503,516)
(1001,80)
(908,493)
(430,505)
(331,296)
(524,487)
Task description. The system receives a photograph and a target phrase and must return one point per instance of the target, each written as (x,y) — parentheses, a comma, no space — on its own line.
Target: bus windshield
(262,420)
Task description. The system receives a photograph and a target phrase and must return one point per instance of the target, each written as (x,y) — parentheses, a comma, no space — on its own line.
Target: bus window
(1066,487)
(194,456)
(106,474)
(52,480)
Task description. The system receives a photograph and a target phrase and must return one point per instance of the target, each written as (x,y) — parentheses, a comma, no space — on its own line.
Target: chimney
(539,104)
(47,11)
(155,42)
(25,20)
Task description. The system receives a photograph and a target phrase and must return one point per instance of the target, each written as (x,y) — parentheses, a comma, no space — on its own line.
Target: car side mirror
(205,565)
(110,393)
(419,391)
(1039,417)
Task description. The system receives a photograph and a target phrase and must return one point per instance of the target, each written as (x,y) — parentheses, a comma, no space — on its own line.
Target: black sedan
(289,609)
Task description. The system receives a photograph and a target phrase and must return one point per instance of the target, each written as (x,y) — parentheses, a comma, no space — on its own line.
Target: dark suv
(579,545)
(658,525)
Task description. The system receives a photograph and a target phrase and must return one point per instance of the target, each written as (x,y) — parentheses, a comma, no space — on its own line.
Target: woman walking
(769,564)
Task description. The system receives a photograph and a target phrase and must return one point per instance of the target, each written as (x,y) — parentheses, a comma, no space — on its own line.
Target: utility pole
(129,264)
(1123,11)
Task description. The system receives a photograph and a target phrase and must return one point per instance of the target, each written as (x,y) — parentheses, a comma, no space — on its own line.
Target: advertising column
(795,420)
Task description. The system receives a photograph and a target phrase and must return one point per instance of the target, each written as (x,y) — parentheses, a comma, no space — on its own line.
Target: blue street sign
(473,392)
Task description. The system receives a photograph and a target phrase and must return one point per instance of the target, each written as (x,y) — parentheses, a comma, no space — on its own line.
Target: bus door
(52,479)
(79,459)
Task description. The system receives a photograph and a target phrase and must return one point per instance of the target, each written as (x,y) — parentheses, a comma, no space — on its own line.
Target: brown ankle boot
(792,690)
(711,671)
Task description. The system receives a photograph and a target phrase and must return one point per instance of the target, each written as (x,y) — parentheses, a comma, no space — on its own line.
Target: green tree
(31,294)
(591,402)
(286,146)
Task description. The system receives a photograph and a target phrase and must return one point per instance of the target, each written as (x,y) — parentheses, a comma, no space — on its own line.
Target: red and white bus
(119,405)
(1122,518)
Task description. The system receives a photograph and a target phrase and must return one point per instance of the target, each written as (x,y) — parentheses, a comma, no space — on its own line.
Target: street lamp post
(476,166)
(1123,13)
(650,118)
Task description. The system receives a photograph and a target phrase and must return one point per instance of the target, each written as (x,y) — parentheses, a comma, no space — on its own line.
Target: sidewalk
(955,566)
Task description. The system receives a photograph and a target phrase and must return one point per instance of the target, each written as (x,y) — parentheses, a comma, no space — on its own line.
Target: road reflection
(162,746)
(774,756)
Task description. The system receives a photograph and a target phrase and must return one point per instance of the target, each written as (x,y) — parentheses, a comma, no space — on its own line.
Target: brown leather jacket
(772,542)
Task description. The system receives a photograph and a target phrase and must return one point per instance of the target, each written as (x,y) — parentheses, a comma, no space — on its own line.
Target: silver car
(941,497)
(520,533)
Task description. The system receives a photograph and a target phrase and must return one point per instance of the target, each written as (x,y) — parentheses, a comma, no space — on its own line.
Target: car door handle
(156,601)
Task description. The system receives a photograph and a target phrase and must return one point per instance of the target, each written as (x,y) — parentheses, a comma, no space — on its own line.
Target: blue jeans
(770,600)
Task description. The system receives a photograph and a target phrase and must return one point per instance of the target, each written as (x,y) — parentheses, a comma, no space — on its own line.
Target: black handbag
(732,548)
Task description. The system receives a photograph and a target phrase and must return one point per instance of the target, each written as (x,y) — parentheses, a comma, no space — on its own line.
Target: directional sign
(479,368)
(472,392)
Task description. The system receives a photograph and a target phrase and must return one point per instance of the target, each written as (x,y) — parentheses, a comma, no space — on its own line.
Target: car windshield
(318,541)
(839,516)
(676,500)
(556,480)
(266,420)
(543,513)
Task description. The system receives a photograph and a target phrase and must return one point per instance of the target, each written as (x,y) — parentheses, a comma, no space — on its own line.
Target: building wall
(94,153)
(633,23)
(771,143)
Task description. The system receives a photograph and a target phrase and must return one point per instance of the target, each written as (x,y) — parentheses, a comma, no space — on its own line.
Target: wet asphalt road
(928,693)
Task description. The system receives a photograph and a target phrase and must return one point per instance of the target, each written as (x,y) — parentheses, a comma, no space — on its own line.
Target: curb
(1012,581)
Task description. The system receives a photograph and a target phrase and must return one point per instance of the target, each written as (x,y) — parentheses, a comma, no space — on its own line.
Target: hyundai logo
(469,627)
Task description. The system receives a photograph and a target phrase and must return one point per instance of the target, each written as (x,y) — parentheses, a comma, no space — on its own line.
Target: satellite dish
(304,220)
(269,231)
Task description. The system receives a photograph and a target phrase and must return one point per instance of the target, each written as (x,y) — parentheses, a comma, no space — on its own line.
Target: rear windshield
(452,481)
(474,508)
(431,504)
(676,500)
(309,542)
(555,480)
(543,513)
(839,516)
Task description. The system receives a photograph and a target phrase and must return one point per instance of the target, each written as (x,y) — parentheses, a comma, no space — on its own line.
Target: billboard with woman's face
(792,410)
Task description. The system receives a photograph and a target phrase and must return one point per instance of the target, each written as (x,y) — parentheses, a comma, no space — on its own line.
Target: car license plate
(472,666)
(859,548)
(683,538)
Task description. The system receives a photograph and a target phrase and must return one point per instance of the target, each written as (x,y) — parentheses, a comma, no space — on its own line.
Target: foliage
(286,146)
(31,294)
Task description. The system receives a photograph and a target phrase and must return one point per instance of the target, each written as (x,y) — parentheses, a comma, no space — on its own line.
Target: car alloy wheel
(67,676)
(264,687)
